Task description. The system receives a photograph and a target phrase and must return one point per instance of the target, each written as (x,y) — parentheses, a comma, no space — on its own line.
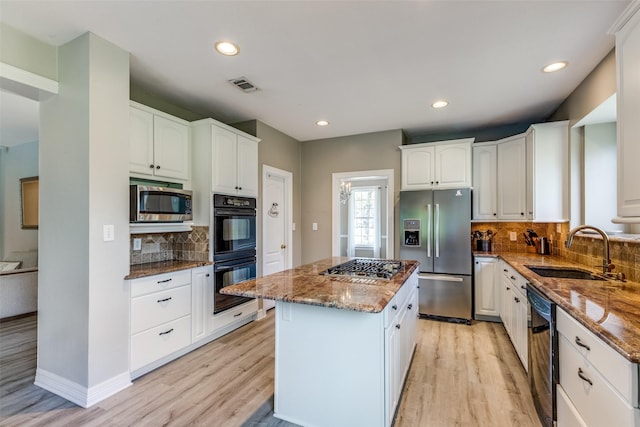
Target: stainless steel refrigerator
(435,227)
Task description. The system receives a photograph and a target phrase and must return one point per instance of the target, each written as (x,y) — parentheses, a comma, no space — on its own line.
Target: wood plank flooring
(460,376)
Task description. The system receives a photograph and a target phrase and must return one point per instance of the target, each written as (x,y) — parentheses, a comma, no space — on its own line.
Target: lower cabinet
(597,386)
(514,311)
(486,275)
(172,314)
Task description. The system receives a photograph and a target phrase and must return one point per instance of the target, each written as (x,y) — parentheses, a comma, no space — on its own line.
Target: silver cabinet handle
(581,344)
(583,378)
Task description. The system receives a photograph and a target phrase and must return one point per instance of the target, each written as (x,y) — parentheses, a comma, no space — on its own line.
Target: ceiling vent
(243,84)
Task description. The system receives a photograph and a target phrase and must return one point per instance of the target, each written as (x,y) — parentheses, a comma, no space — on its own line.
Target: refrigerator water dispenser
(411,229)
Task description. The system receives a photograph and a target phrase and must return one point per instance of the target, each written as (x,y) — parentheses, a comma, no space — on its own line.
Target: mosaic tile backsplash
(587,250)
(187,246)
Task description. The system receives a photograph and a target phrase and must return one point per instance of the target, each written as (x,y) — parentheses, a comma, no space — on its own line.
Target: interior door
(276,214)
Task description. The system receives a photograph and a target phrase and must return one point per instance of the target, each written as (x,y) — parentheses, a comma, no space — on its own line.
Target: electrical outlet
(513,236)
(137,244)
(558,228)
(293,227)
(314,226)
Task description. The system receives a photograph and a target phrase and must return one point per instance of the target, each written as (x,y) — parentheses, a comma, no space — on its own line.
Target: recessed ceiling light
(322,123)
(440,104)
(556,66)
(227,48)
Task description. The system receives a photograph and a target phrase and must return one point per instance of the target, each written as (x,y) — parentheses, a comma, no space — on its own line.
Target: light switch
(513,236)
(314,226)
(108,233)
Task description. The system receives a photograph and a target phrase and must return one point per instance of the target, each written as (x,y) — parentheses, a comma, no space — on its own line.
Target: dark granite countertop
(305,285)
(149,269)
(609,309)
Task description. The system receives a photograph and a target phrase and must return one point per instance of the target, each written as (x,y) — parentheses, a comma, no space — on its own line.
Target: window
(364,216)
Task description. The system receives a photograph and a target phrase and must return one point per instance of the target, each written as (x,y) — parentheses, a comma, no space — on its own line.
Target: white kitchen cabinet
(627,31)
(201,301)
(225,161)
(547,146)
(485,181)
(511,173)
(514,311)
(437,165)
(486,275)
(158,144)
(234,163)
(160,317)
(597,385)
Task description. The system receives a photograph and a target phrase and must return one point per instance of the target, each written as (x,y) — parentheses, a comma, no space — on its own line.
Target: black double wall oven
(234,246)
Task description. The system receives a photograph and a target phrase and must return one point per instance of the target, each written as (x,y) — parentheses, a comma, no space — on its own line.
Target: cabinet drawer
(160,282)
(519,283)
(568,416)
(615,368)
(593,397)
(155,343)
(159,307)
(240,312)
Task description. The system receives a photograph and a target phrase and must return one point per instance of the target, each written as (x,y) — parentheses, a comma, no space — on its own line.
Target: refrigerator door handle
(429,222)
(437,228)
(439,277)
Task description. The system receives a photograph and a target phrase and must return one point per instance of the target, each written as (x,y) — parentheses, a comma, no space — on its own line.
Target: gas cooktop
(364,267)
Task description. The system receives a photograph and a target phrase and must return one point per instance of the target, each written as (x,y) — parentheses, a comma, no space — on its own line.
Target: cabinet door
(530,156)
(520,329)
(417,168)
(453,165)
(487,288)
(140,142)
(512,180)
(505,303)
(628,98)
(201,283)
(171,148)
(224,163)
(484,182)
(247,167)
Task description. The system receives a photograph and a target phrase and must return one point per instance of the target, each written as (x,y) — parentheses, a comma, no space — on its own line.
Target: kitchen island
(343,343)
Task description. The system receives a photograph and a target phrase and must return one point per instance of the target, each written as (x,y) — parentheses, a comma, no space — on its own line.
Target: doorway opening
(363,214)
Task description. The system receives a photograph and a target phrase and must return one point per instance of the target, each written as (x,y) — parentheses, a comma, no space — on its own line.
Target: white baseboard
(78,394)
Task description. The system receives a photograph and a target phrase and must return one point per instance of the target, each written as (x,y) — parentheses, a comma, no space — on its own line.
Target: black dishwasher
(543,355)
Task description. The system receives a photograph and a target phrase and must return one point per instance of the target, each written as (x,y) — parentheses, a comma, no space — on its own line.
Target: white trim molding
(26,83)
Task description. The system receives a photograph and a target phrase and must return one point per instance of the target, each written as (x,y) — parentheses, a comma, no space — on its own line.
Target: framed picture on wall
(29,188)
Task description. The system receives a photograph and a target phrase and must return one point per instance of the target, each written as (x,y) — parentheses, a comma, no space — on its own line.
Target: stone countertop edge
(138,271)
(609,309)
(305,285)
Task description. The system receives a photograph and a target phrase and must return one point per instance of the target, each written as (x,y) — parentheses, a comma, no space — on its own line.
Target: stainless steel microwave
(159,204)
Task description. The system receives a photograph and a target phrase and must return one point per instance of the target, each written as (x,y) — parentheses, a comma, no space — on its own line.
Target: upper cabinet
(225,161)
(548,172)
(627,30)
(158,144)
(524,177)
(436,165)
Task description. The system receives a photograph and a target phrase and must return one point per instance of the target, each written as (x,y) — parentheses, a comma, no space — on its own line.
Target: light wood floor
(460,376)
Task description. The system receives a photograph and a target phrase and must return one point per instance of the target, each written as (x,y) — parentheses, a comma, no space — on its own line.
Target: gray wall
(283,152)
(20,161)
(320,159)
(28,53)
(599,85)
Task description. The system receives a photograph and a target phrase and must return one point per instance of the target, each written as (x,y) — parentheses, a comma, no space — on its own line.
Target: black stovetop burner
(364,267)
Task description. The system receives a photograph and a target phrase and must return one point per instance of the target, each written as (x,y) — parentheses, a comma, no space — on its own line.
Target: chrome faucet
(606,262)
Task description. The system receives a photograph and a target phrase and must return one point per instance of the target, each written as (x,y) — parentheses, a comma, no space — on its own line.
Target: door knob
(283,246)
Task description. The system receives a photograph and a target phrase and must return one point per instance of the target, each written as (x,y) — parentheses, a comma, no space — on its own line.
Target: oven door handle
(235,212)
(227,267)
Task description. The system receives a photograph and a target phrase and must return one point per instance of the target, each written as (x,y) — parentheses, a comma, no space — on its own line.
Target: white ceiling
(364,66)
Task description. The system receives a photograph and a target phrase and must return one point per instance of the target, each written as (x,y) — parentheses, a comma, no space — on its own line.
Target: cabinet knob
(150,166)
(516,299)
(437,182)
(522,213)
(513,278)
(398,326)
(239,188)
(158,167)
(283,246)
(207,275)
(395,307)
(495,214)
(431,182)
(410,306)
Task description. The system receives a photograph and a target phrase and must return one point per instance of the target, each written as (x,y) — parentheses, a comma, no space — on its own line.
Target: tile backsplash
(186,246)
(587,250)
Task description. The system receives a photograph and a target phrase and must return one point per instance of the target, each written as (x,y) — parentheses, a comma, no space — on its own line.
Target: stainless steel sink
(564,272)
